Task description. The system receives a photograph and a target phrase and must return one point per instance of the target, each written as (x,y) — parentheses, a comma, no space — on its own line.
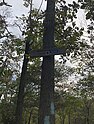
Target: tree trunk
(20,100)
(46,112)
(46,108)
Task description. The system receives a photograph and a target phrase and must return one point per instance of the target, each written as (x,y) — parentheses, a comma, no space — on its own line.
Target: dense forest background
(74,70)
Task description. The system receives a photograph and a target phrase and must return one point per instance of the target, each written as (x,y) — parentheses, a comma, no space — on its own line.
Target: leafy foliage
(74,102)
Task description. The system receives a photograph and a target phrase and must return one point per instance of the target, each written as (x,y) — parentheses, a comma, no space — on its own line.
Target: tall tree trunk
(46,112)
(46,108)
(20,100)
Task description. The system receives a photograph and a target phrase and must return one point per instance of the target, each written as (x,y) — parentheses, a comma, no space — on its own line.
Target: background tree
(73,99)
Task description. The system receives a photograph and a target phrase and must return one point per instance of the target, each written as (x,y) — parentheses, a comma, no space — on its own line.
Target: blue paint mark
(47,120)
(52,108)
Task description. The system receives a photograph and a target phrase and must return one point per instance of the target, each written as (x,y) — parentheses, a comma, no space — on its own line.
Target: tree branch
(4,3)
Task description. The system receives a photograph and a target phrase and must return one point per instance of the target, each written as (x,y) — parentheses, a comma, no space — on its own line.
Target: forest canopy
(73,72)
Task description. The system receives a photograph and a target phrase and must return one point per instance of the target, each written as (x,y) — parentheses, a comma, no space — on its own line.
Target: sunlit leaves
(67,34)
(88,5)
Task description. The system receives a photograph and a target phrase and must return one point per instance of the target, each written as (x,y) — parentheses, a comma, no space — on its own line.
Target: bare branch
(4,3)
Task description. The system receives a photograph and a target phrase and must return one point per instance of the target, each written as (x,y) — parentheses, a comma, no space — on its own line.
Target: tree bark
(20,100)
(46,108)
(46,112)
